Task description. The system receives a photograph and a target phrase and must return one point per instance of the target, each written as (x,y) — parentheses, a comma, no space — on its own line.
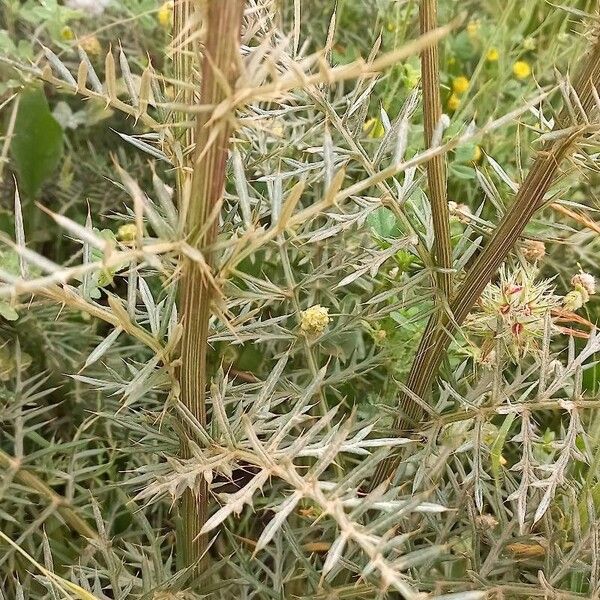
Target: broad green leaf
(37,146)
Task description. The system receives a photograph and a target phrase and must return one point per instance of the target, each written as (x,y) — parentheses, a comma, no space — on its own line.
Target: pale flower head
(584,280)
(127,232)
(314,320)
(533,250)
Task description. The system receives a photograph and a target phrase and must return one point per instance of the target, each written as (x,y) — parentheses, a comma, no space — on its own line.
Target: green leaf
(466,153)
(462,171)
(8,312)
(38,143)
(383,222)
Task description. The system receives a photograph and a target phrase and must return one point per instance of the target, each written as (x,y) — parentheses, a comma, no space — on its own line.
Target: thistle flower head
(314,320)
(514,309)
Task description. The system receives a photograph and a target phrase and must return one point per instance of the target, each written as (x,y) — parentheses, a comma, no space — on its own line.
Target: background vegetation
(320,269)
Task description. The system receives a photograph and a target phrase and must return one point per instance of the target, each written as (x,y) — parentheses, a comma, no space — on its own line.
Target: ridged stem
(220,60)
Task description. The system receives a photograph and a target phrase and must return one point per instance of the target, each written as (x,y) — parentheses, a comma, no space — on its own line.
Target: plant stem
(200,215)
(530,198)
(64,509)
(436,167)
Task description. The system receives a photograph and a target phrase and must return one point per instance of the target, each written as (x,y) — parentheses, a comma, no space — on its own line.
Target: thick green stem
(220,60)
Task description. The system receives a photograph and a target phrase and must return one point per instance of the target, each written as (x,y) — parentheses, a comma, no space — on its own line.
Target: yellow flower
(66,34)
(492,55)
(127,233)
(521,69)
(391,26)
(314,320)
(477,154)
(453,102)
(473,28)
(91,44)
(374,128)
(460,85)
(165,14)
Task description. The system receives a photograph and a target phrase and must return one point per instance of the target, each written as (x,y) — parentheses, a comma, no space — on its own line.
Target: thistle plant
(239,236)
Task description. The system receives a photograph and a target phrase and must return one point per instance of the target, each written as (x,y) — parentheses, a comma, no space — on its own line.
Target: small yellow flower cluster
(459,86)
(374,128)
(492,55)
(473,29)
(314,320)
(66,34)
(127,233)
(521,69)
(165,14)
(584,286)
